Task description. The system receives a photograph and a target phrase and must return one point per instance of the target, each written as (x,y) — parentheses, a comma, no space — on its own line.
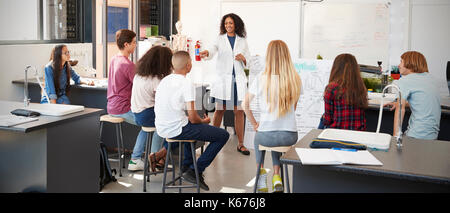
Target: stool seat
(175,140)
(275,148)
(111,119)
(148,129)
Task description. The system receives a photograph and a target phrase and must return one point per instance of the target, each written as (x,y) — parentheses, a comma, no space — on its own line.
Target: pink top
(120,82)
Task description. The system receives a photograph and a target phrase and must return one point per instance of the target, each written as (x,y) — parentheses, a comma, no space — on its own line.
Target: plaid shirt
(339,115)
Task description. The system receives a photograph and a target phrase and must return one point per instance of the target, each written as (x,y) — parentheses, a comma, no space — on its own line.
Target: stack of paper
(12,120)
(336,157)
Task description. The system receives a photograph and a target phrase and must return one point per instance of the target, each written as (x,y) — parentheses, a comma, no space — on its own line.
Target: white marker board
(267,21)
(356,27)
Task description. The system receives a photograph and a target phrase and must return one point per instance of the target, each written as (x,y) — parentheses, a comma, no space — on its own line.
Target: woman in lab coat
(230,83)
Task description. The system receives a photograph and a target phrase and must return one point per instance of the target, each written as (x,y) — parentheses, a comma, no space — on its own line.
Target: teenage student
(420,93)
(151,68)
(174,94)
(120,82)
(229,87)
(345,96)
(58,73)
(277,90)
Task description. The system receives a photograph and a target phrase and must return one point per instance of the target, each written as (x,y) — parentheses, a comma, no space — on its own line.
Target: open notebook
(12,120)
(336,157)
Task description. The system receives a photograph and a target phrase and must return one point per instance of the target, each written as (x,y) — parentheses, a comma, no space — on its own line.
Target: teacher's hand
(240,57)
(204,54)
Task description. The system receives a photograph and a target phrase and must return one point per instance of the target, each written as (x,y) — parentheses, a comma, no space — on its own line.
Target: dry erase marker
(343,149)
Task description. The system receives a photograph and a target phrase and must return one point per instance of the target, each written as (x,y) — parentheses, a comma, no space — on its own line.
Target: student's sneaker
(261,186)
(190,176)
(277,184)
(135,165)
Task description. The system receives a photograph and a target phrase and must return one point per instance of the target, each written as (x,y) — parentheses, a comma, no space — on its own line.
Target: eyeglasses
(67,53)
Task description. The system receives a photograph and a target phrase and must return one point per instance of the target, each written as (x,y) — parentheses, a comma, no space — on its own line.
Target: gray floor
(230,172)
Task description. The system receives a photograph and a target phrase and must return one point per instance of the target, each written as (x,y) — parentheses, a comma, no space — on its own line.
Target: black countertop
(418,160)
(35,83)
(43,121)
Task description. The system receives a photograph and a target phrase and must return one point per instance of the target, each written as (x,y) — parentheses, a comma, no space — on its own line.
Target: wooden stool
(164,185)
(118,123)
(263,150)
(148,146)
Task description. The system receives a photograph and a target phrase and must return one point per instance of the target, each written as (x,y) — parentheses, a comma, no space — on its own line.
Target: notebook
(336,157)
(12,120)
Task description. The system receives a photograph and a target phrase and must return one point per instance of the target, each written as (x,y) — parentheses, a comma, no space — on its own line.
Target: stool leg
(118,149)
(180,157)
(195,166)
(165,171)
(173,168)
(258,170)
(146,163)
(287,178)
(149,150)
(123,147)
(282,175)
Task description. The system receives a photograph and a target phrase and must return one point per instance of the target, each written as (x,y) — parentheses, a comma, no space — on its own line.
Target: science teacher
(230,83)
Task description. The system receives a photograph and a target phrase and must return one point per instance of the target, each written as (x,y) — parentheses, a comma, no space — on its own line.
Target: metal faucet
(398,137)
(26,99)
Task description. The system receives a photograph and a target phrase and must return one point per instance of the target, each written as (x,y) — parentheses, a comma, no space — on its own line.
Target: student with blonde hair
(277,90)
(419,92)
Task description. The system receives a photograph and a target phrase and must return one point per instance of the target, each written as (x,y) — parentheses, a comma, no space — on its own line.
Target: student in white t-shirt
(277,91)
(151,68)
(174,94)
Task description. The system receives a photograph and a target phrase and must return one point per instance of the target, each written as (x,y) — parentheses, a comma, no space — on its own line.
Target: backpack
(106,175)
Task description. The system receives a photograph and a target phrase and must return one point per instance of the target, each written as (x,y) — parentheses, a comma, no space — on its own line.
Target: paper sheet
(335,157)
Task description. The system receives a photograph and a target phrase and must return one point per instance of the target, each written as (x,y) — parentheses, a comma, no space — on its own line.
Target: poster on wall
(310,107)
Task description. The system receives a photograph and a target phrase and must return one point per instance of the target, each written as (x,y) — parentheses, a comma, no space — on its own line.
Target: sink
(54,109)
(377,96)
(370,139)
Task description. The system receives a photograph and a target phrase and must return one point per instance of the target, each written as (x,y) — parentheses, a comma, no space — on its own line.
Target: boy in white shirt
(173,95)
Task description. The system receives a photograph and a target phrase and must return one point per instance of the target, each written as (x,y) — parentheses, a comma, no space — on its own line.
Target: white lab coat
(221,84)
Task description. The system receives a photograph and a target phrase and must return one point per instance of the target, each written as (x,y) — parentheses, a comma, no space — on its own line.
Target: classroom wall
(407,19)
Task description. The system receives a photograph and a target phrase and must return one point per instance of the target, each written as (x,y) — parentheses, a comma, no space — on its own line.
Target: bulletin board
(334,27)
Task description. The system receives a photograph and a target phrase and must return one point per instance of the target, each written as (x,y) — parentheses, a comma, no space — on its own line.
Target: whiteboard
(267,21)
(358,28)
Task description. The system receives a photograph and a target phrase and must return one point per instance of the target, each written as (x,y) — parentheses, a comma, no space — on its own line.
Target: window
(42,21)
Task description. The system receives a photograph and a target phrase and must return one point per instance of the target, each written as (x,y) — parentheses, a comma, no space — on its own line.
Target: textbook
(336,157)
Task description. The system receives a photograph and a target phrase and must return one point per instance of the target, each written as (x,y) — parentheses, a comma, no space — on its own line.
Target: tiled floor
(230,172)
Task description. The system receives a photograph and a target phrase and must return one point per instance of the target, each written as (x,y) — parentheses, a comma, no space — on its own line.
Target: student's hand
(393,105)
(255,126)
(88,82)
(204,54)
(206,119)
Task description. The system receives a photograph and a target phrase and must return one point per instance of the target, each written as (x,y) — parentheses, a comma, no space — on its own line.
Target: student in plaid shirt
(345,96)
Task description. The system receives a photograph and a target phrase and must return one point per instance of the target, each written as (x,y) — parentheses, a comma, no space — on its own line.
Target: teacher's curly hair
(238,24)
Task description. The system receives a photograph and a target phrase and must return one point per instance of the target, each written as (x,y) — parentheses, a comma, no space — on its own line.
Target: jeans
(321,125)
(272,139)
(139,147)
(216,137)
(146,118)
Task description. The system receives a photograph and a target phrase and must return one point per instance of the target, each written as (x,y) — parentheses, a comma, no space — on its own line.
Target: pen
(344,149)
